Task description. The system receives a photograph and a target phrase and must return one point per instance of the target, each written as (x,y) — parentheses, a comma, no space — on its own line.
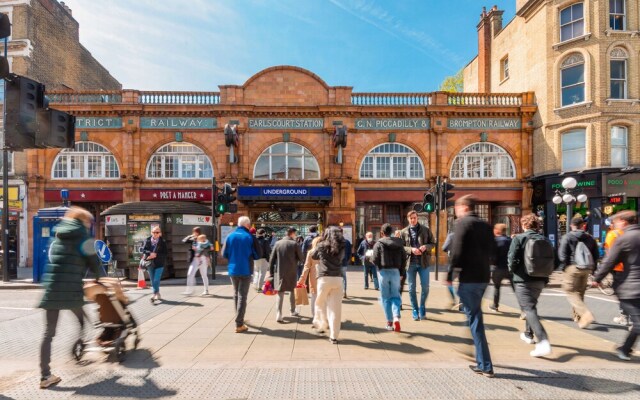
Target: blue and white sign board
(285,193)
(102,251)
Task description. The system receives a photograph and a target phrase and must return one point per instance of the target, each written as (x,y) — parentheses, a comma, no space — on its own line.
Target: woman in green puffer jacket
(72,252)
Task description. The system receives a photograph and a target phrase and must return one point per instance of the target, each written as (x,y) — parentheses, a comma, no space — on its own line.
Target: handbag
(268,289)
(146,264)
(302,298)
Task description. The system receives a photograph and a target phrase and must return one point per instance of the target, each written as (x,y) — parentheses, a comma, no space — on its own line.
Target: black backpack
(539,256)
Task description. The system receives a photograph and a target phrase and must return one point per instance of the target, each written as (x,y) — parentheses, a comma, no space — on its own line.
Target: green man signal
(225,198)
(428,204)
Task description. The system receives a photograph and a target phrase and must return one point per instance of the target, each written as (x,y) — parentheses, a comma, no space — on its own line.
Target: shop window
(179,161)
(483,161)
(392,161)
(619,146)
(574,150)
(286,161)
(87,160)
(618,73)
(10,163)
(617,16)
(572,22)
(482,210)
(374,213)
(572,80)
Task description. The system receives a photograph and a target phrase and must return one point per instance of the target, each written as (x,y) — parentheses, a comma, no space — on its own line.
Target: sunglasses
(156,233)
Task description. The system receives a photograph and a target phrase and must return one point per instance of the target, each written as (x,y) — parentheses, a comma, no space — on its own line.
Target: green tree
(453,83)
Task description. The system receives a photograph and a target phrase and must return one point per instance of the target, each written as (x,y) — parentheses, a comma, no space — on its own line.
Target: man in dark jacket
(418,242)
(261,265)
(471,254)
(283,264)
(626,283)
(528,288)
(575,277)
(346,260)
(389,256)
(306,244)
(365,251)
(500,270)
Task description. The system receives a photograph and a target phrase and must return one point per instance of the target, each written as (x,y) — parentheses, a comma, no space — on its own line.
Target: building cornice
(529,8)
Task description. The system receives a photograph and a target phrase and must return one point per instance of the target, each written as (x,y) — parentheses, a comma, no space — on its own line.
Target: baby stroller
(114,318)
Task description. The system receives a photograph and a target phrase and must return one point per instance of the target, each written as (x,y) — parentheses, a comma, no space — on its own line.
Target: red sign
(86,195)
(175,194)
(617,199)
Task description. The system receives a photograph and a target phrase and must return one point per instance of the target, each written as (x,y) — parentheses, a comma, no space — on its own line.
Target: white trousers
(201,264)
(260,268)
(328,309)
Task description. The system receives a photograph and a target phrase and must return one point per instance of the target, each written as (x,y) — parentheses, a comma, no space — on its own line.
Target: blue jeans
(155,274)
(471,297)
(423,273)
(390,292)
(344,279)
(370,269)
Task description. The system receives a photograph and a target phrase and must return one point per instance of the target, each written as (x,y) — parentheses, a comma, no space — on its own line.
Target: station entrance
(275,223)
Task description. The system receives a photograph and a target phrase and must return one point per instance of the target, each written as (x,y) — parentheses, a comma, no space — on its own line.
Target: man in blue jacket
(239,250)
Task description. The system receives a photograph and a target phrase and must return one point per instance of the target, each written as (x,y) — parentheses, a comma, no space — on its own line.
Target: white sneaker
(527,339)
(278,316)
(542,349)
(187,293)
(205,293)
(621,320)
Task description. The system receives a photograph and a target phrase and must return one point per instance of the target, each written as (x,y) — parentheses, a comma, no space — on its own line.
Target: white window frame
(614,13)
(573,61)
(83,151)
(619,55)
(392,152)
(566,154)
(572,22)
(181,151)
(504,68)
(624,148)
(305,155)
(10,162)
(475,153)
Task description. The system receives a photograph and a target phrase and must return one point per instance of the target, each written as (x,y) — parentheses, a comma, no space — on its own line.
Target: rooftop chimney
(489,26)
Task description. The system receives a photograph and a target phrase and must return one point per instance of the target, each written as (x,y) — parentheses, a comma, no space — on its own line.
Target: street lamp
(567,196)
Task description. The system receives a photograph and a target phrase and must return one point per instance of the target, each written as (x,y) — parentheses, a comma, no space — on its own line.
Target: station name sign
(99,122)
(178,123)
(285,193)
(393,123)
(286,123)
(484,123)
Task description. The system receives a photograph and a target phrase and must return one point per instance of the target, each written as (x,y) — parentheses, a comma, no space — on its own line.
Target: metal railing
(391,99)
(179,98)
(484,99)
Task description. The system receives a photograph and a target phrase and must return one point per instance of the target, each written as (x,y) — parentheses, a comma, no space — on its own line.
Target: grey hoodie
(388,253)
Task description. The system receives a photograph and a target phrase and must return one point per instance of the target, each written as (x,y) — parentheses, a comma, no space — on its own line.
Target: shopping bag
(268,289)
(302,299)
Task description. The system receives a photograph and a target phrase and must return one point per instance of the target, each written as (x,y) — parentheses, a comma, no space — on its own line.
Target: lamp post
(568,196)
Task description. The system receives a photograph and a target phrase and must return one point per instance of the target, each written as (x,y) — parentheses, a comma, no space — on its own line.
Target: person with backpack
(578,254)
(365,254)
(531,261)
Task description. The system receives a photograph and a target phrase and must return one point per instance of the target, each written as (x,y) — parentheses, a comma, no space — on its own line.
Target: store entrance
(275,223)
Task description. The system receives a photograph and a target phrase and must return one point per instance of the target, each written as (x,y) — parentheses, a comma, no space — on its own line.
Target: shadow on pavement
(581,352)
(570,381)
(111,388)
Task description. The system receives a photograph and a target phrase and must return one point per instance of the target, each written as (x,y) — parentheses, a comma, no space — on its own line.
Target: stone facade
(294,93)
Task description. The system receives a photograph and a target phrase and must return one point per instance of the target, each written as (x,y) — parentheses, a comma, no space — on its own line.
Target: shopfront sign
(144,217)
(98,122)
(393,123)
(485,123)
(178,123)
(112,220)
(86,195)
(622,183)
(188,219)
(200,194)
(285,193)
(286,123)
(589,184)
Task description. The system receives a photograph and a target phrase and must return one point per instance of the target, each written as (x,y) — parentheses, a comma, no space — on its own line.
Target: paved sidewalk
(191,351)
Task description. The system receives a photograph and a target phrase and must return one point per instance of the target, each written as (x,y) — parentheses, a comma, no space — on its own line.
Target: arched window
(572,80)
(483,161)
(286,161)
(179,161)
(618,73)
(87,160)
(392,161)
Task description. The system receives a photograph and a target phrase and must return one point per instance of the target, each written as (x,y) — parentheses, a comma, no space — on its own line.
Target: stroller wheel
(78,349)
(119,351)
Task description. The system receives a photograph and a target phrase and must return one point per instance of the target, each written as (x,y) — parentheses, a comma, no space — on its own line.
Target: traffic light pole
(5,184)
(214,233)
(438,206)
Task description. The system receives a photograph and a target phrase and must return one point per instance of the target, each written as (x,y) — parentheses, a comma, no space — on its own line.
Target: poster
(347,232)
(138,232)
(224,232)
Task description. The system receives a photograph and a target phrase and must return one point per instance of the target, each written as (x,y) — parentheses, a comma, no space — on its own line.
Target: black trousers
(497,276)
(50,332)
(632,308)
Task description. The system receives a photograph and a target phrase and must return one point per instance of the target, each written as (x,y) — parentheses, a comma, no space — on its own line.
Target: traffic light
(225,200)
(445,195)
(24,100)
(55,129)
(5,32)
(427,205)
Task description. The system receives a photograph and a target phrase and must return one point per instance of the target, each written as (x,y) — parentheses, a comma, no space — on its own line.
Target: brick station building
(161,146)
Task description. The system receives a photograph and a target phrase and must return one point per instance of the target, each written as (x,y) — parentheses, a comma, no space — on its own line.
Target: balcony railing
(179,98)
(85,97)
(391,99)
(484,99)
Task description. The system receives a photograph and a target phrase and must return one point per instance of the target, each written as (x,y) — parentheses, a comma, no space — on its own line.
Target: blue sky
(372,45)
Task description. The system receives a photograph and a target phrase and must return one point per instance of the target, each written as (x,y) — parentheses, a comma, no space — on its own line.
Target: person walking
(238,250)
(365,254)
(626,283)
(310,272)
(70,254)
(612,235)
(528,288)
(283,266)
(418,244)
(155,250)
(346,260)
(500,268)
(191,240)
(200,262)
(389,255)
(329,253)
(446,247)
(307,243)
(471,254)
(261,265)
(578,254)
